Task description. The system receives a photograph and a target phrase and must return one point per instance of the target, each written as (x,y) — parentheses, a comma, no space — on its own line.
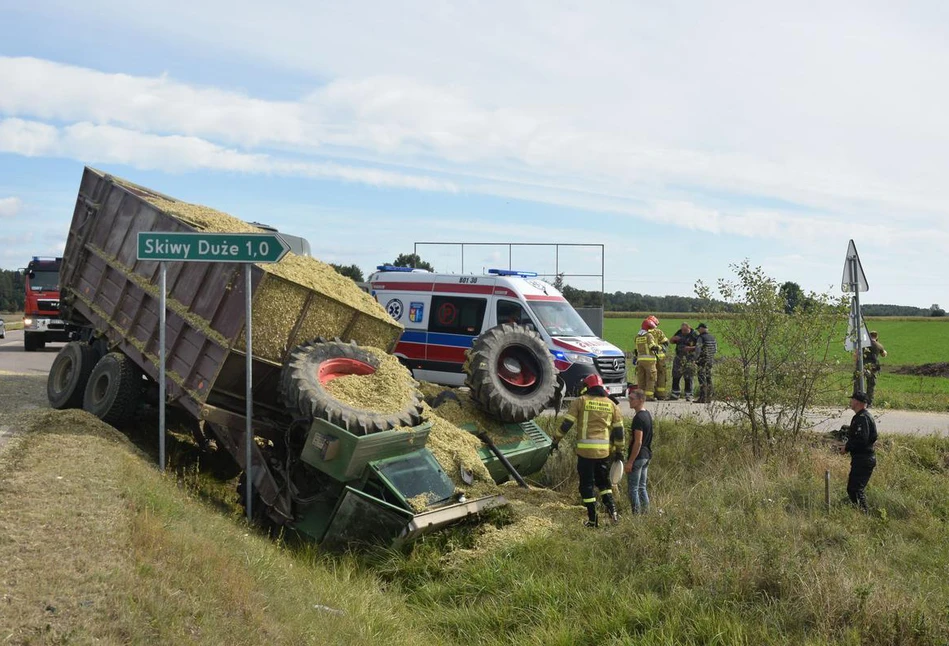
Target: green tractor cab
(375,485)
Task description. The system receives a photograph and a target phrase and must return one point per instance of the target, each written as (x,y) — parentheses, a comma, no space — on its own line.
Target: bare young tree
(776,361)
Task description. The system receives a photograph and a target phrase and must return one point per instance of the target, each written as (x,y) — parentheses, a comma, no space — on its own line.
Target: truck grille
(612,368)
(48,305)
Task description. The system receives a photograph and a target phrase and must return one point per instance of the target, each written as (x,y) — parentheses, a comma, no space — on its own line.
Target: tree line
(12,293)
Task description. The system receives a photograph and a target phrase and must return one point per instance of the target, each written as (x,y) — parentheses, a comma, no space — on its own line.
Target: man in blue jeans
(640,452)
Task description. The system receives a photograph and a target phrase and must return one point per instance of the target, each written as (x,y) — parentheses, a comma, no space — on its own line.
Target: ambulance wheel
(69,375)
(114,389)
(511,373)
(312,366)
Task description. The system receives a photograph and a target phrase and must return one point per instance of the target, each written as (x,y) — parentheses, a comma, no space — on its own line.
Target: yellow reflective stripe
(592,444)
(606,491)
(646,358)
(588,500)
(570,418)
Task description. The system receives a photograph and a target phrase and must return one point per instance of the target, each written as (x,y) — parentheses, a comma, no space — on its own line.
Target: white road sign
(853,272)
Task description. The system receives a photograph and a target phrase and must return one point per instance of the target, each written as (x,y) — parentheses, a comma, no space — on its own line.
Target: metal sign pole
(161,369)
(249,394)
(857,325)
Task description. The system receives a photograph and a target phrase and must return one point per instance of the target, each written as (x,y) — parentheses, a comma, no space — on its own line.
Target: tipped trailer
(336,474)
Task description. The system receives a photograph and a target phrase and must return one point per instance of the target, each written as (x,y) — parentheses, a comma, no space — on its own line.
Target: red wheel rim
(515,367)
(342,367)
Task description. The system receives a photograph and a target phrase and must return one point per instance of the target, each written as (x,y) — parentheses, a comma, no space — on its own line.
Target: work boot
(674,396)
(592,520)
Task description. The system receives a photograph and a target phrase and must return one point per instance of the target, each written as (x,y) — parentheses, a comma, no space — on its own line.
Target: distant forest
(11,299)
(11,291)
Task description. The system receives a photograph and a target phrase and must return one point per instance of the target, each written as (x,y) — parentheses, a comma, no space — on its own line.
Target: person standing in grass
(683,365)
(705,348)
(640,452)
(599,436)
(871,364)
(861,437)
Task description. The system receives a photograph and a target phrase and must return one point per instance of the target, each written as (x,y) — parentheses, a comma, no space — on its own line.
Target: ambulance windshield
(560,319)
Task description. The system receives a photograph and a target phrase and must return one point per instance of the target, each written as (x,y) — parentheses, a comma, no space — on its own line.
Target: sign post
(854,280)
(246,248)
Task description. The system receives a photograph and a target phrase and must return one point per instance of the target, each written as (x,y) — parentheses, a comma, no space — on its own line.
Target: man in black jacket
(861,436)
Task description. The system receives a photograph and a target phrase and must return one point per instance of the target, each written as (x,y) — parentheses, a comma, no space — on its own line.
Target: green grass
(13,321)
(908,341)
(734,551)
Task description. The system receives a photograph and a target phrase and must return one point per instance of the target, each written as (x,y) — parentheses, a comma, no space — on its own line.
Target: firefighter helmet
(592,381)
(652,317)
(648,324)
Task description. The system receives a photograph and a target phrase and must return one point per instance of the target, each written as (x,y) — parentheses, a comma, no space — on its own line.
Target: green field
(909,341)
(98,547)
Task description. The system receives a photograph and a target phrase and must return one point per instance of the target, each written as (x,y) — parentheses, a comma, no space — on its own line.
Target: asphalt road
(14,360)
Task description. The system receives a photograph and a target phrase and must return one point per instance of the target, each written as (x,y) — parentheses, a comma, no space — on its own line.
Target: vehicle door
(454,322)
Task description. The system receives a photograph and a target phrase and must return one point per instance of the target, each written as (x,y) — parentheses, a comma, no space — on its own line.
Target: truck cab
(444,313)
(42,322)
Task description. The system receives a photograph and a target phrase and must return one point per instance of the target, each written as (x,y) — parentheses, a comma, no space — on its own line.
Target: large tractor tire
(313,365)
(69,375)
(114,389)
(511,373)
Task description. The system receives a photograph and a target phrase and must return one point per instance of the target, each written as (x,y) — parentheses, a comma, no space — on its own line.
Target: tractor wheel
(313,365)
(69,375)
(511,373)
(114,389)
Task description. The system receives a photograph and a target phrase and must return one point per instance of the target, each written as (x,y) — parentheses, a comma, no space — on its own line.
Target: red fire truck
(41,319)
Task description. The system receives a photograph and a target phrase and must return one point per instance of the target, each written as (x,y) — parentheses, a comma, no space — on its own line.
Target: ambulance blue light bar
(393,268)
(513,272)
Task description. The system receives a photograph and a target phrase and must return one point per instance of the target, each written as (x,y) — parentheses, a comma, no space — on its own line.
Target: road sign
(211,247)
(853,272)
(850,343)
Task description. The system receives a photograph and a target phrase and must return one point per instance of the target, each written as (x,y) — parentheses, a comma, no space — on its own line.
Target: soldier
(705,348)
(861,436)
(662,391)
(871,364)
(644,356)
(599,438)
(683,365)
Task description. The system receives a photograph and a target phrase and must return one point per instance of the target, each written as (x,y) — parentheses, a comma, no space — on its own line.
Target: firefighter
(645,350)
(599,438)
(662,391)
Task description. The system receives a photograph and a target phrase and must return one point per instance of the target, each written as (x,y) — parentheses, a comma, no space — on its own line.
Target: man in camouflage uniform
(683,365)
(705,348)
(871,364)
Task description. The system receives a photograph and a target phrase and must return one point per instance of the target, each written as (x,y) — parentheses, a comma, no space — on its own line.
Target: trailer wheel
(69,375)
(114,389)
(312,365)
(511,373)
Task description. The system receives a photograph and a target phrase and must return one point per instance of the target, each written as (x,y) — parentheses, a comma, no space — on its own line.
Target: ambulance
(444,313)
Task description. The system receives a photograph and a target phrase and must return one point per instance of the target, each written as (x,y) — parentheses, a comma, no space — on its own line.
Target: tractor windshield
(560,319)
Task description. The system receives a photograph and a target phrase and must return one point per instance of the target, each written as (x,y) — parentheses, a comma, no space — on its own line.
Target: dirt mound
(925,370)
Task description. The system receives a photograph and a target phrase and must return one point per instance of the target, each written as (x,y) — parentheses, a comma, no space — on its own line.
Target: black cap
(701,325)
(860,396)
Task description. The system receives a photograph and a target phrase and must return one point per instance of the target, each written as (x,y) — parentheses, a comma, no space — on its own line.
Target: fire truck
(42,322)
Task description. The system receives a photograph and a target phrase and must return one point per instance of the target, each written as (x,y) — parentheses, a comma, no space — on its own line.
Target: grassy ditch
(98,546)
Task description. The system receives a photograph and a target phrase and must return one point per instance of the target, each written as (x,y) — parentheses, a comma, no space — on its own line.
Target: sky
(679,138)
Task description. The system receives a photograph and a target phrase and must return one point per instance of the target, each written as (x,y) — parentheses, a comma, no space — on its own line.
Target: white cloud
(175,153)
(10,206)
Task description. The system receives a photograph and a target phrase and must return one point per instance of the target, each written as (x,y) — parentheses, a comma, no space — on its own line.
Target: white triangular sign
(850,343)
(853,272)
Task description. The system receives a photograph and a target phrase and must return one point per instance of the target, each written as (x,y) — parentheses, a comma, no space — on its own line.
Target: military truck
(329,470)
